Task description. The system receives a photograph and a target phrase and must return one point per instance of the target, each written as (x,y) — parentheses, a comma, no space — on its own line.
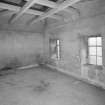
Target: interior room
(52,52)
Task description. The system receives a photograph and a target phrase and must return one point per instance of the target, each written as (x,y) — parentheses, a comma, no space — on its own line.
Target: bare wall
(70,34)
(19,47)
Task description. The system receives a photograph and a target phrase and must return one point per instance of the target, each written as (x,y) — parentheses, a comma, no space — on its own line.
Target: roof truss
(54,7)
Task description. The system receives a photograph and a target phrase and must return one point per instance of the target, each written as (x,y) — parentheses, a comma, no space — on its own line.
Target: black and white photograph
(52,52)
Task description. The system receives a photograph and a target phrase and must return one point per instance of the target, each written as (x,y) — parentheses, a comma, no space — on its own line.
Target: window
(58,48)
(95,50)
(55,49)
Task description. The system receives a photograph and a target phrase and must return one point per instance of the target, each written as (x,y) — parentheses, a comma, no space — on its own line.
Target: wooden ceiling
(37,10)
(41,9)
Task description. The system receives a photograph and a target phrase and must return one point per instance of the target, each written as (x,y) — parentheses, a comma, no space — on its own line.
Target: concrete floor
(44,86)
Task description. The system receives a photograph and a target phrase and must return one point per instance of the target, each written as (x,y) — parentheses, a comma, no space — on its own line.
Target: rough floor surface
(44,86)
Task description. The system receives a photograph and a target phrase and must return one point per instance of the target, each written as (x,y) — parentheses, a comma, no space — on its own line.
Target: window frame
(58,49)
(55,50)
(96,46)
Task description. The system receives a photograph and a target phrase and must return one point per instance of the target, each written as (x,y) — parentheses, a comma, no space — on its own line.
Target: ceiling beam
(22,10)
(16,9)
(61,7)
(4,12)
(51,4)
(47,3)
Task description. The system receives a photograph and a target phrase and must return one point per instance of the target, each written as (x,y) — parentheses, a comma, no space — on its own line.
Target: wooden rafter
(61,7)
(16,9)
(22,10)
(51,4)
(56,7)
(47,3)
(4,12)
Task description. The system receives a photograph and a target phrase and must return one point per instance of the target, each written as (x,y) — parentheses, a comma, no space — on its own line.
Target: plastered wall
(69,36)
(20,48)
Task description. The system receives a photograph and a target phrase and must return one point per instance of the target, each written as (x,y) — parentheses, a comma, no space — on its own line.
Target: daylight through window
(95,50)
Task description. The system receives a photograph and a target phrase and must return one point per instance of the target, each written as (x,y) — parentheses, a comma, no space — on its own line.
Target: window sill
(94,66)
